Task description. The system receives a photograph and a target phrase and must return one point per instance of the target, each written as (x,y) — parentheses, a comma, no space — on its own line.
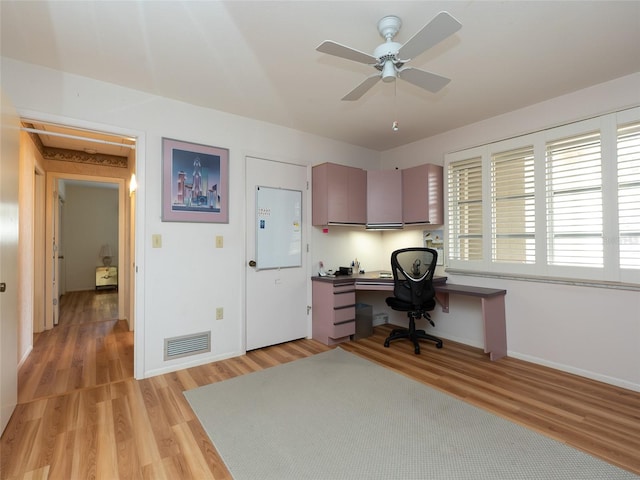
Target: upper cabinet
(339,194)
(422,194)
(386,198)
(384,191)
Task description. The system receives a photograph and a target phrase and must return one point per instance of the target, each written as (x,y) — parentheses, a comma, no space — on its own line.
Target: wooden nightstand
(106,277)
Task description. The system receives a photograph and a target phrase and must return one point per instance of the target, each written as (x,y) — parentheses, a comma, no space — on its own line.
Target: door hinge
(308,309)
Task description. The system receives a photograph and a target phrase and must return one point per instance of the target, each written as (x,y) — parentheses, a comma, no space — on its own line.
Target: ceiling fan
(390,57)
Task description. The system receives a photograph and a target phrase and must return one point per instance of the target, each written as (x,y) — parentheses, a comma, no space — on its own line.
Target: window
(513,206)
(629,195)
(574,201)
(562,203)
(464,193)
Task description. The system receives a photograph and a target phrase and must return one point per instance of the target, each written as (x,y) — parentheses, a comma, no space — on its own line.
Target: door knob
(252,263)
(3,287)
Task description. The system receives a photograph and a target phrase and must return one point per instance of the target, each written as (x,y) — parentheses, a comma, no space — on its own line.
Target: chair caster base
(415,336)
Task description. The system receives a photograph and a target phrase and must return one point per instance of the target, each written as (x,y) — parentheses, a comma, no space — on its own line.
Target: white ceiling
(258,59)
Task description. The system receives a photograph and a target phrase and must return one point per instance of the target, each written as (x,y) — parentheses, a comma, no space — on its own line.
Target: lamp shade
(105,254)
(105,251)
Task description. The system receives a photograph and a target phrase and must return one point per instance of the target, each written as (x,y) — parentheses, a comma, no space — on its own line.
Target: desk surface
(370,278)
(373,281)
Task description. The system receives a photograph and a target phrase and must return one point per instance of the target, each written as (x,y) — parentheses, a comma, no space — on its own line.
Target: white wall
(590,331)
(185,278)
(90,220)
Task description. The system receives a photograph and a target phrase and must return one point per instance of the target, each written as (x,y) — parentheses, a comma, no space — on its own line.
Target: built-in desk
(334,300)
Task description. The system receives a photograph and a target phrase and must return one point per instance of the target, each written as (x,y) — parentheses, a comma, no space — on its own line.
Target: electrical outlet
(156,240)
(219,241)
(219,313)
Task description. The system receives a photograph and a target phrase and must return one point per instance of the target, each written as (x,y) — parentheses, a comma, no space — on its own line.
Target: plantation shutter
(464,193)
(574,201)
(513,206)
(629,195)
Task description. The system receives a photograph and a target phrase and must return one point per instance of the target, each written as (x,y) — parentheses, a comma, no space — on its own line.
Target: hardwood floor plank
(106,451)
(82,415)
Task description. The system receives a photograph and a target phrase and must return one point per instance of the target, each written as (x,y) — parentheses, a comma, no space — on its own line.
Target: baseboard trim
(617,382)
(25,356)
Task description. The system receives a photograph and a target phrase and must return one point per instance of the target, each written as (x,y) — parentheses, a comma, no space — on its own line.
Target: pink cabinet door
(384,196)
(339,194)
(422,194)
(357,186)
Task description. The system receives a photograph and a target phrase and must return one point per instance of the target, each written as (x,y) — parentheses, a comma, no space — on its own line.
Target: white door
(10,142)
(276,298)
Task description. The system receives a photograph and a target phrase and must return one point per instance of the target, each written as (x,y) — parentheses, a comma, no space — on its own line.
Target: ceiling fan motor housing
(388,63)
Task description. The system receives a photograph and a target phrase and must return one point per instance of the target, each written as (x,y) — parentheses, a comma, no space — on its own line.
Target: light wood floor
(82,415)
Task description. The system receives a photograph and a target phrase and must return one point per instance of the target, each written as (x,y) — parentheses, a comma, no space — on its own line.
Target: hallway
(89,347)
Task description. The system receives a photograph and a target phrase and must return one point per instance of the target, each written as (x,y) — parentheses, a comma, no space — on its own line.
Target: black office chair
(413,292)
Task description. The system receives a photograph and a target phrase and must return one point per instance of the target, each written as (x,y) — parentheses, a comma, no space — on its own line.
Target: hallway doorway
(86,159)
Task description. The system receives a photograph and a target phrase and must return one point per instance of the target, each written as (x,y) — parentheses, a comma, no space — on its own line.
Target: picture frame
(195,182)
(435,239)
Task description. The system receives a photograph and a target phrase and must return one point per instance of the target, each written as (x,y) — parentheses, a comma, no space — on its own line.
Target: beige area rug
(338,416)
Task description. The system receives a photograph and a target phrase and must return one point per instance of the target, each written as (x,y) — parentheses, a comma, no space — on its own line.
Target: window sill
(562,281)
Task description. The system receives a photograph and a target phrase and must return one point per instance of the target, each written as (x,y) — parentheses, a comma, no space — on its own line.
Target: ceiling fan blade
(342,51)
(442,26)
(363,88)
(427,80)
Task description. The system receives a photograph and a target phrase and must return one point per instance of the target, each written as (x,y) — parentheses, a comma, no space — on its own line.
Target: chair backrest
(413,270)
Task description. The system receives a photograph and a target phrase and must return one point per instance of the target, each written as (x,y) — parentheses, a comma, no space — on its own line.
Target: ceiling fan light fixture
(388,72)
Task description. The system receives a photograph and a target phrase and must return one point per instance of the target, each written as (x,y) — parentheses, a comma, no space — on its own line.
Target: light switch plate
(156,240)
(219,241)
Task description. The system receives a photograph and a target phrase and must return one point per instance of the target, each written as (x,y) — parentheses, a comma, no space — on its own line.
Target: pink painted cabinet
(384,197)
(422,194)
(339,194)
(334,311)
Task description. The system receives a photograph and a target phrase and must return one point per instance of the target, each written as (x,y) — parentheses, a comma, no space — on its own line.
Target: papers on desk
(385,275)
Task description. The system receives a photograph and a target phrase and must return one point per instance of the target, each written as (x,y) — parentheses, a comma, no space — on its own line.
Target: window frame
(541,269)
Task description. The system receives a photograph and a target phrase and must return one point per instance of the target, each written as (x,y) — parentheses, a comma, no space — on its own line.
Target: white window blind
(629,195)
(464,194)
(513,206)
(574,201)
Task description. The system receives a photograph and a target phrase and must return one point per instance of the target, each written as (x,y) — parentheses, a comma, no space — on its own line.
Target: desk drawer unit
(334,312)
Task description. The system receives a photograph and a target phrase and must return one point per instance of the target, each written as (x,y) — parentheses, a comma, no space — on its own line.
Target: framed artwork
(434,239)
(195,182)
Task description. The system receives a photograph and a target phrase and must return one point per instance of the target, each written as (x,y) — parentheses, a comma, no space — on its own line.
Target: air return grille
(186,345)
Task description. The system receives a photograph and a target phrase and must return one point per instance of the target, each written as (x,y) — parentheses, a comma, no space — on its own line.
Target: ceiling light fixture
(388,72)
(133,184)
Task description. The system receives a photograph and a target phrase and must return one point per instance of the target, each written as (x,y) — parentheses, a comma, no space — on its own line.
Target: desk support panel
(443,299)
(495,327)
(494,323)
